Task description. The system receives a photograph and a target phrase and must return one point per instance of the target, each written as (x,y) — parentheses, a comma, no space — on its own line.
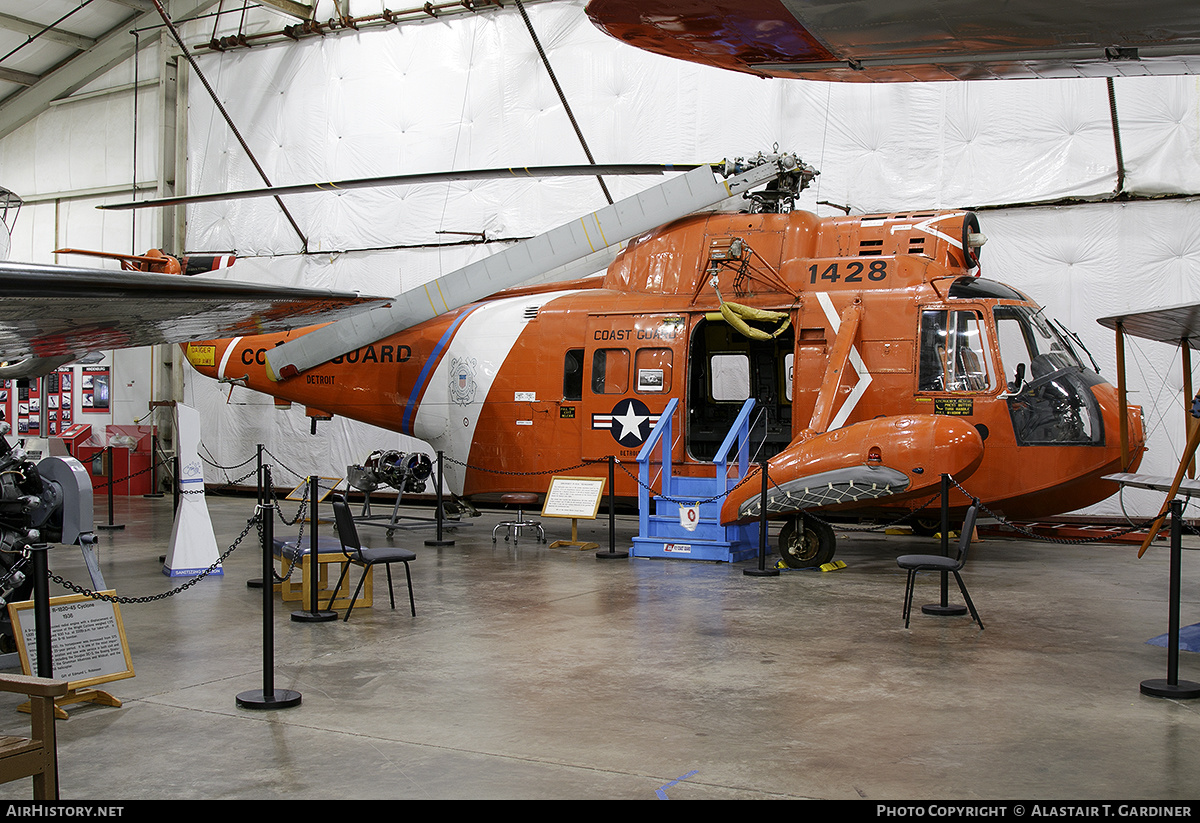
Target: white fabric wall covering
(471,92)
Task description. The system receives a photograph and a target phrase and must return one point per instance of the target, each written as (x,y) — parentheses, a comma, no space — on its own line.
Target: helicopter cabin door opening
(727,369)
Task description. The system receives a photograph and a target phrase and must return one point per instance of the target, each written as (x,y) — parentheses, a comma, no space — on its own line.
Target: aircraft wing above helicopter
(52,315)
(913,40)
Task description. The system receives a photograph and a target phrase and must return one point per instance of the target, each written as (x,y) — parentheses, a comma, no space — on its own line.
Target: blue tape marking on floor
(1189,639)
(662,792)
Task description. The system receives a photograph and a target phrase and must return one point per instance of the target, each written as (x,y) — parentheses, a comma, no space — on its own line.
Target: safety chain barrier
(67,584)
(256,521)
(753,473)
(285,466)
(299,518)
(104,484)
(216,465)
(524,474)
(599,461)
(1069,541)
(750,475)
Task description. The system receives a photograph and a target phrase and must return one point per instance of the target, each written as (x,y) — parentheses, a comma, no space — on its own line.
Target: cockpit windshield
(1049,391)
(1030,346)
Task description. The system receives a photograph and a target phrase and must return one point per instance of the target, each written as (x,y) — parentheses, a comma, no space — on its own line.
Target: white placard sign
(87,639)
(573,497)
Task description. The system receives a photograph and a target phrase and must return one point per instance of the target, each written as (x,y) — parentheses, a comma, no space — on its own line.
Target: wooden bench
(35,756)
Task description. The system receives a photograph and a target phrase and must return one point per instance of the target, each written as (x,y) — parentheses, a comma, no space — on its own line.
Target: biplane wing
(914,40)
(52,315)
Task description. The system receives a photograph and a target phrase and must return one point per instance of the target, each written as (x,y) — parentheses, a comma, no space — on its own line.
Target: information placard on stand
(576,498)
(88,646)
(326,485)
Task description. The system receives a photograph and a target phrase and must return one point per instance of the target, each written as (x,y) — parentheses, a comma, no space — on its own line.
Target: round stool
(514,527)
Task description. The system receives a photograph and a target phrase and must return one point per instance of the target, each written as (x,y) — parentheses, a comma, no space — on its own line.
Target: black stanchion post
(1171,687)
(439,541)
(314,614)
(41,609)
(945,536)
(268,697)
(762,570)
(943,607)
(108,455)
(254,582)
(41,618)
(154,492)
(612,553)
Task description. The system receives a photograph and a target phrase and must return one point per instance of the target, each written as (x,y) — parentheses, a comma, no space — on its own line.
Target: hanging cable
(562,97)
(228,120)
(1116,130)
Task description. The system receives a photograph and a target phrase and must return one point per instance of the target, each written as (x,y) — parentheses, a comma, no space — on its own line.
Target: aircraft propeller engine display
(406,472)
(877,356)
(46,502)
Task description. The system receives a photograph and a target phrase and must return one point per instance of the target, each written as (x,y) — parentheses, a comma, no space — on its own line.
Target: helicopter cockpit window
(1050,398)
(953,352)
(1030,346)
(610,371)
(573,375)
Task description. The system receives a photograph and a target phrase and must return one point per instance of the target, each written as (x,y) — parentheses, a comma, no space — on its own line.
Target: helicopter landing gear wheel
(926,526)
(806,543)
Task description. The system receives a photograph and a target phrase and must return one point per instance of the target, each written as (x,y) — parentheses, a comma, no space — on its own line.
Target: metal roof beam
(66,38)
(144,6)
(301,11)
(21,78)
(109,50)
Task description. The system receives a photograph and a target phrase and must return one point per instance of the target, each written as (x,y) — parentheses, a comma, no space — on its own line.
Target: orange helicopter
(876,357)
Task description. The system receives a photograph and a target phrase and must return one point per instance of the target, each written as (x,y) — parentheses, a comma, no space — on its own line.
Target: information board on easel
(88,646)
(325,485)
(577,498)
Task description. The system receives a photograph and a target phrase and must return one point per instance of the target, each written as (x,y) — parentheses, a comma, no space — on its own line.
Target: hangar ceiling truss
(52,50)
(49,52)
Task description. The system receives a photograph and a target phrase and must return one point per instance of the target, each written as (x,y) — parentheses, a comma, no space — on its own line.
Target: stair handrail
(739,432)
(659,435)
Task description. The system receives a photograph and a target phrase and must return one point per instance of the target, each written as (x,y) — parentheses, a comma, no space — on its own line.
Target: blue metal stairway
(660,531)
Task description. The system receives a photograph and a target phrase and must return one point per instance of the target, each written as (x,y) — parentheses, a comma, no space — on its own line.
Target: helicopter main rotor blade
(408,180)
(611,225)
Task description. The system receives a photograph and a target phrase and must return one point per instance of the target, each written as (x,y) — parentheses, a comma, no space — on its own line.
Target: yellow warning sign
(956,406)
(202,355)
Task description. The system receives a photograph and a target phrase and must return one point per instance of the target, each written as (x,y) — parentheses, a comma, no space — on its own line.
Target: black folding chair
(366,557)
(940,563)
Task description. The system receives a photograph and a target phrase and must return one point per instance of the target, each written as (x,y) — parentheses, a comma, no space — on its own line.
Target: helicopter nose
(205,356)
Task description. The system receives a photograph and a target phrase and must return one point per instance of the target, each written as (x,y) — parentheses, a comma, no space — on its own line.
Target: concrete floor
(535,673)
